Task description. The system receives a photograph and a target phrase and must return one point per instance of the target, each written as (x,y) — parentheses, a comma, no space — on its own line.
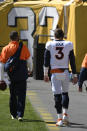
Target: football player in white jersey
(58,54)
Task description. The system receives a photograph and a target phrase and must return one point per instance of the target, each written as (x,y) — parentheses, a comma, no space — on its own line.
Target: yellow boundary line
(47,117)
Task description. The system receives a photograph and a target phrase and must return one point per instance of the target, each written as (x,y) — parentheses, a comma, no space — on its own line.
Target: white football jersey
(59,51)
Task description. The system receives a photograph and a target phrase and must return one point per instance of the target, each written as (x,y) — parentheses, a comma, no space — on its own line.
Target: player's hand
(46,78)
(30,73)
(75,80)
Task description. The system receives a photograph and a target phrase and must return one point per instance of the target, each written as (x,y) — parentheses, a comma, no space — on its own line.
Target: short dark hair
(59,33)
(13,35)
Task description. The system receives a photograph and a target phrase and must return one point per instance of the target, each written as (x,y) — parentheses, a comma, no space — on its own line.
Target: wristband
(74,75)
(46,71)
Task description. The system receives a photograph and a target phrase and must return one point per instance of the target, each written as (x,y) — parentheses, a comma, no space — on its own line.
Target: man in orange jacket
(17,84)
(83,73)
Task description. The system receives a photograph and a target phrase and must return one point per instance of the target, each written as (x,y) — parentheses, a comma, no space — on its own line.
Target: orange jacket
(10,50)
(84,63)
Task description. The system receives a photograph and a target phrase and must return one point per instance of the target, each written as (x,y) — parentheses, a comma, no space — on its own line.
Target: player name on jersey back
(59,44)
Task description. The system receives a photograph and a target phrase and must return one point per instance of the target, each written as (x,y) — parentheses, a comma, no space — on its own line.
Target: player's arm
(83,73)
(82,77)
(73,66)
(46,64)
(30,66)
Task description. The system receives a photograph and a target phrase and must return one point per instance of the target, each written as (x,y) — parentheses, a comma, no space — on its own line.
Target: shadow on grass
(30,120)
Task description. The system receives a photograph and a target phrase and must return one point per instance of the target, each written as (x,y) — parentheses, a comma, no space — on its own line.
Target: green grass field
(31,122)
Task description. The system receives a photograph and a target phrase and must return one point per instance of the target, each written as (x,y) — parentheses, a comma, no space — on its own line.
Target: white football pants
(60,82)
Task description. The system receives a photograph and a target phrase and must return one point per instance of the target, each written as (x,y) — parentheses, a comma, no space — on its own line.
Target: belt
(61,70)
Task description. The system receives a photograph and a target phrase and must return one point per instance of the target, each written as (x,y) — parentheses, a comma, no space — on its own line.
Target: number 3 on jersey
(59,54)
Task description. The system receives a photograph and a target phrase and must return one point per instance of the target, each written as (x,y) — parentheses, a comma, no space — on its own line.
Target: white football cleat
(59,122)
(65,119)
